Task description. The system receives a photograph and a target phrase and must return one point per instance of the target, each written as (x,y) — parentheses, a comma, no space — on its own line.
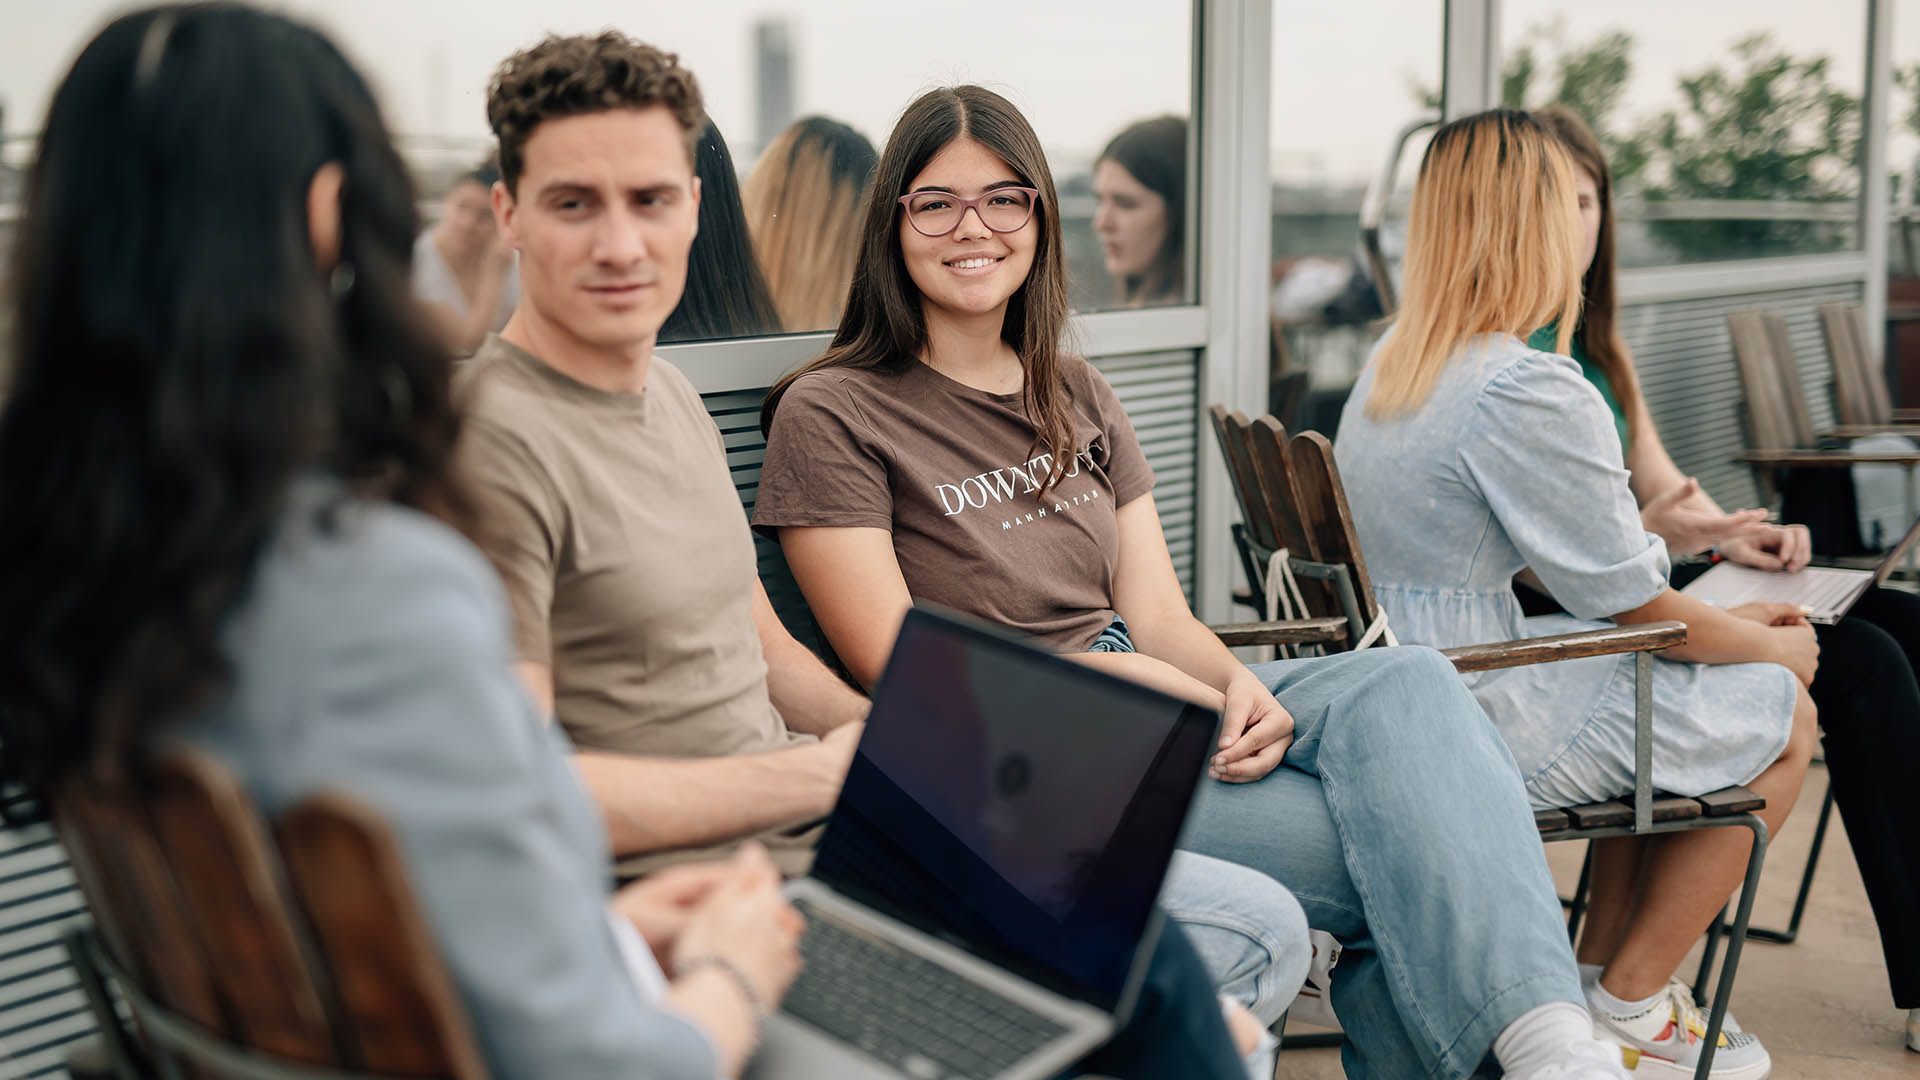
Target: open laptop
(982,904)
(1828,592)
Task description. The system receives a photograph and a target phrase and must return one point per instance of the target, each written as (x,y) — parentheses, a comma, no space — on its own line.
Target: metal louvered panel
(41,1006)
(1159,390)
(1687,372)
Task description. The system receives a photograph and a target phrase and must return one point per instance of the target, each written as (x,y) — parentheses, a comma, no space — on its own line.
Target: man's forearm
(809,697)
(663,804)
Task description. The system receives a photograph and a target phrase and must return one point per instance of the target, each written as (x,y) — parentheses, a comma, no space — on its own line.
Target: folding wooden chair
(1291,499)
(1860,397)
(239,956)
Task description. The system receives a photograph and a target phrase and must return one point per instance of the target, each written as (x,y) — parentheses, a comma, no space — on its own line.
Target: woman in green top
(1865,689)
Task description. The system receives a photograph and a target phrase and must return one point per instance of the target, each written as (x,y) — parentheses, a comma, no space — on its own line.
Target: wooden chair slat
(1770,427)
(1644,637)
(1230,429)
(219,853)
(1730,801)
(1853,400)
(131,870)
(1780,351)
(1286,632)
(1599,815)
(1325,514)
(1551,820)
(1676,808)
(1267,445)
(402,1016)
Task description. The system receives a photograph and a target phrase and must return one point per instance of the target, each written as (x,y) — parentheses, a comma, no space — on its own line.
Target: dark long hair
(181,358)
(726,294)
(1154,152)
(1599,329)
(884,326)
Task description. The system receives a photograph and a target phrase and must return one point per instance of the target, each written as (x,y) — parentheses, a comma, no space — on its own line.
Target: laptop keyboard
(906,1010)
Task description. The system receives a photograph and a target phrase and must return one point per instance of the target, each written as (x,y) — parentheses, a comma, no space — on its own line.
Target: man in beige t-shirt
(605,500)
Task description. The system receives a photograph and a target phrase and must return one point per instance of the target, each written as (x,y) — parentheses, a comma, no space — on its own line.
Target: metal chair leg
(1577,907)
(126,1062)
(1792,932)
(1736,938)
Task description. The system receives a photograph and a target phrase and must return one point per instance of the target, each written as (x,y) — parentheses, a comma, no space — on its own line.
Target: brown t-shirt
(954,473)
(613,521)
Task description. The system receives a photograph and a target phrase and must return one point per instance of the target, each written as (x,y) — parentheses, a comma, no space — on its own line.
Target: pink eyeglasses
(1002,210)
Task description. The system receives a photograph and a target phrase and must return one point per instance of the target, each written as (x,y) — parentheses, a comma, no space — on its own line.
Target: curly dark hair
(571,76)
(181,358)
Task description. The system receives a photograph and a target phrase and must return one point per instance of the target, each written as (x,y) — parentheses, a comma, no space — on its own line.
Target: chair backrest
(1777,417)
(1291,497)
(1859,392)
(306,951)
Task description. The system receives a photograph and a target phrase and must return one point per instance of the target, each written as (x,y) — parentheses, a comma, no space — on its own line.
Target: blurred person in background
(803,206)
(1140,210)
(227,510)
(463,269)
(726,292)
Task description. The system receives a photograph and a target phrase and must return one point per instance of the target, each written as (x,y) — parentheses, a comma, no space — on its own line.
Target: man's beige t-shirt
(614,524)
(954,474)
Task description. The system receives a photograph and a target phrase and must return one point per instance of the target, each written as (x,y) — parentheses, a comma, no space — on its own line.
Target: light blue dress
(1513,462)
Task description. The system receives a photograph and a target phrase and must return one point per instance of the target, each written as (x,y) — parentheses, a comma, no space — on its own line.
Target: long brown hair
(803,202)
(884,327)
(1493,246)
(1599,329)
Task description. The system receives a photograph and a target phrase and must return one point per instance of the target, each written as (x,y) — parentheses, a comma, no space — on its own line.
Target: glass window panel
(1347,79)
(1731,125)
(1079,72)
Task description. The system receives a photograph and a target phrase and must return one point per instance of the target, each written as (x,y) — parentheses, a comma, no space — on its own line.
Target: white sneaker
(1666,1038)
(1727,1022)
(1590,1059)
(1913,1030)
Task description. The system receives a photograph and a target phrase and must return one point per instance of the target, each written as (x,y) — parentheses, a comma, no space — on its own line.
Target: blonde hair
(1493,246)
(804,201)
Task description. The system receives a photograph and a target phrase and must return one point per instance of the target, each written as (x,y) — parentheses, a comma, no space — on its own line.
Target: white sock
(1541,1037)
(1616,1008)
(1590,973)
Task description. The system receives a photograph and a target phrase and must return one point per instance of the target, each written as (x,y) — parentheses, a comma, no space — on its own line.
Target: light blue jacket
(371,656)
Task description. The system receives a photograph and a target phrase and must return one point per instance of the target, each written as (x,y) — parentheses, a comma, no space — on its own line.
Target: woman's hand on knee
(1255,732)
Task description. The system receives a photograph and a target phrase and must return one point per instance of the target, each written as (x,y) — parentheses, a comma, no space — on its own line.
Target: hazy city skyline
(1343,74)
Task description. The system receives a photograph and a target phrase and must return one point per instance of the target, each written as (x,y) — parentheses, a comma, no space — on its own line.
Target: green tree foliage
(1770,126)
(1588,79)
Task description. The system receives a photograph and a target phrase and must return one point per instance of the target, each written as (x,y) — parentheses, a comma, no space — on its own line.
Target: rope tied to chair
(1285,602)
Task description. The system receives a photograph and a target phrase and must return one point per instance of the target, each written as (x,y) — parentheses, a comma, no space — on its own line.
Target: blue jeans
(1249,931)
(1176,1031)
(1398,821)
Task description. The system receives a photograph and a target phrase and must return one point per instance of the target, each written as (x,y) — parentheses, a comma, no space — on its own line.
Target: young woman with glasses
(946,448)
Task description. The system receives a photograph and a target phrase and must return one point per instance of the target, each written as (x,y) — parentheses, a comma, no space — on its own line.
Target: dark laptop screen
(1015,804)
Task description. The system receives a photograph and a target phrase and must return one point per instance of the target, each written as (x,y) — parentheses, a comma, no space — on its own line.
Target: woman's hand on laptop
(738,952)
(1771,547)
(1255,732)
(1771,614)
(746,923)
(661,904)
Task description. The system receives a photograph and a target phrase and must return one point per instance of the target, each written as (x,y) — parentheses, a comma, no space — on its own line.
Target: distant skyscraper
(774,70)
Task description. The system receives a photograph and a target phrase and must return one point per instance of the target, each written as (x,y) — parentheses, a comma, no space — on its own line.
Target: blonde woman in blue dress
(1468,456)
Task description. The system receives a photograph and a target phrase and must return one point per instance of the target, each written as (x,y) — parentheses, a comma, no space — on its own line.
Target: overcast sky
(1081,69)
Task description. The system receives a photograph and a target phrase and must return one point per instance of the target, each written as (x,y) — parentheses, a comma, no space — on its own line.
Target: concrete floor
(1821,1005)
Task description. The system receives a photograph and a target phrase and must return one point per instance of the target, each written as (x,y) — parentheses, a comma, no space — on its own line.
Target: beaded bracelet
(732,971)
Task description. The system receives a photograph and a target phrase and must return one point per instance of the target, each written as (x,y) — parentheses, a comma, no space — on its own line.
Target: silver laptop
(1826,592)
(982,904)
